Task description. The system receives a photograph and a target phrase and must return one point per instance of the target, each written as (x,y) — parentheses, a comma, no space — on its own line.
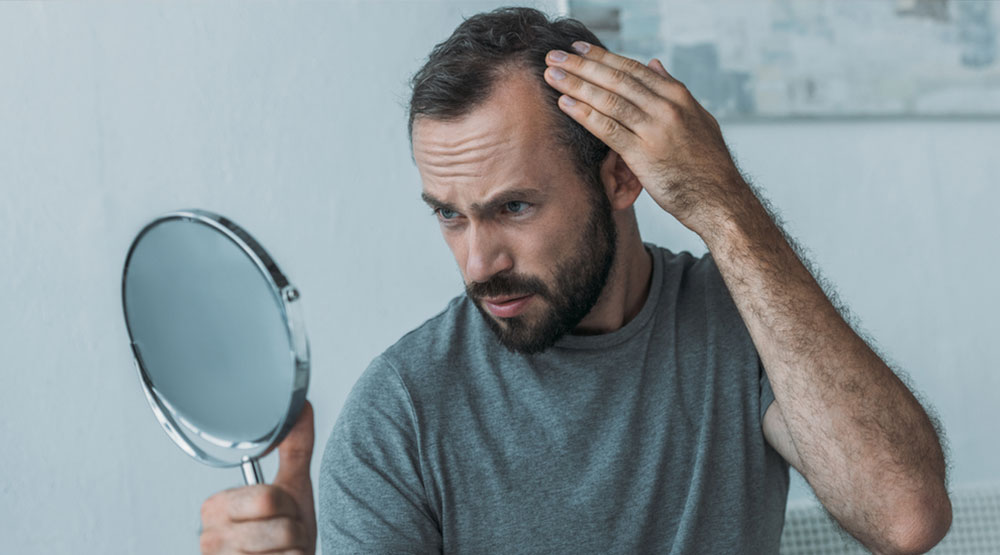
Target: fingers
(589,62)
(248,503)
(581,72)
(614,105)
(253,519)
(275,518)
(615,135)
(282,535)
(270,535)
(619,100)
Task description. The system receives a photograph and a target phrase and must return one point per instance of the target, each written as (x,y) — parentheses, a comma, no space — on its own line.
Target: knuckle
(614,103)
(210,542)
(681,91)
(661,104)
(618,76)
(636,115)
(671,111)
(608,126)
(622,109)
(632,66)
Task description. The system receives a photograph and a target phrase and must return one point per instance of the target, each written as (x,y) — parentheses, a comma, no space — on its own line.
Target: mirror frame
(285,295)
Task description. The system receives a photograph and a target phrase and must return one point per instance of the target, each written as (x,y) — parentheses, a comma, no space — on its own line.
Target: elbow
(922,526)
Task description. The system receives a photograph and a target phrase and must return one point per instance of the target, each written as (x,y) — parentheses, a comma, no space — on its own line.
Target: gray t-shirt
(645,439)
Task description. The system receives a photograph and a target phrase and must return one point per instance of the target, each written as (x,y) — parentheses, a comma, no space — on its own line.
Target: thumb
(294,456)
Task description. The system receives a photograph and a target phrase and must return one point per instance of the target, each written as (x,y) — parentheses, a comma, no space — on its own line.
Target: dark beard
(579,283)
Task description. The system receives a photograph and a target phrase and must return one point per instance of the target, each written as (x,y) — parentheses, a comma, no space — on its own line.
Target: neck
(627,287)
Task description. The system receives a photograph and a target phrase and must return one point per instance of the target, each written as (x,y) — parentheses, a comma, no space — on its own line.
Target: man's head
(515,183)
(461,72)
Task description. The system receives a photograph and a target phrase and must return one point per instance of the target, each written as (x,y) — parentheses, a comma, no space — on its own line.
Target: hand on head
(278,517)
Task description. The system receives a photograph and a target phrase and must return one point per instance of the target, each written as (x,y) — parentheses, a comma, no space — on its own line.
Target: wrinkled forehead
(512,130)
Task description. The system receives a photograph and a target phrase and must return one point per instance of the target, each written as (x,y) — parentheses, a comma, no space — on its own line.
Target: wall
(289,119)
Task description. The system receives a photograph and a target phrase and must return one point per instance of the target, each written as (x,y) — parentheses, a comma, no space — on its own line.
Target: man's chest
(620,459)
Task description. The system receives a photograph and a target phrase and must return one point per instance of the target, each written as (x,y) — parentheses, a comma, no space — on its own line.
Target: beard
(579,280)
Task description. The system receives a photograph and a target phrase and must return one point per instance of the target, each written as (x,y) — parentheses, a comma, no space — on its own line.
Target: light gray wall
(289,119)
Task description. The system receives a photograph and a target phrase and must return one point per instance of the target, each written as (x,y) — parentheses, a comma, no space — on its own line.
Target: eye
(446,214)
(516,206)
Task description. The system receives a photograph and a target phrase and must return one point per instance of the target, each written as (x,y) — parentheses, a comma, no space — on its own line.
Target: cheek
(542,249)
(458,248)
(564,242)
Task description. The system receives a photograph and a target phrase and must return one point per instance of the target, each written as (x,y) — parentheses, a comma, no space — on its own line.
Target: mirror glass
(213,326)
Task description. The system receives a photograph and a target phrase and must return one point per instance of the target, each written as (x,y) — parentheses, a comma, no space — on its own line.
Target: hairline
(552,111)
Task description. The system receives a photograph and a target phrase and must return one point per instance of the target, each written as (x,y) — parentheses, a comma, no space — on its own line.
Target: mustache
(505,285)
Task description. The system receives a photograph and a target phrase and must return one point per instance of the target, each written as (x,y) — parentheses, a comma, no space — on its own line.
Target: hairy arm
(840,415)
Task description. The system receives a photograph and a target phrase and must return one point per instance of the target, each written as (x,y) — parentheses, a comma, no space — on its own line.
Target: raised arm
(840,415)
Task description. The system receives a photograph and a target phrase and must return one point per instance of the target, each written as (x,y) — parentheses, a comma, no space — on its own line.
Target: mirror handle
(252,474)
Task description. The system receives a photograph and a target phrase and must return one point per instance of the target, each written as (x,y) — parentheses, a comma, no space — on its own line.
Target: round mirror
(217,334)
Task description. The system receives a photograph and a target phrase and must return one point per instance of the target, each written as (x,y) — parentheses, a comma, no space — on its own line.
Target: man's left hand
(669,141)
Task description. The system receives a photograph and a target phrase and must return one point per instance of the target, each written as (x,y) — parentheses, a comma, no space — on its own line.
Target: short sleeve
(730,313)
(371,494)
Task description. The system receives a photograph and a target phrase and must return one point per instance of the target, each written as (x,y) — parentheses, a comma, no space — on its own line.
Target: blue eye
(516,206)
(446,214)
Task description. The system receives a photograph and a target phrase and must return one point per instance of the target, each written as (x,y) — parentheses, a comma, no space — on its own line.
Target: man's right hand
(275,518)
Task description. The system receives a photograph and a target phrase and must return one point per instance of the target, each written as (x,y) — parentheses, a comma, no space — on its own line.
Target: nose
(487,254)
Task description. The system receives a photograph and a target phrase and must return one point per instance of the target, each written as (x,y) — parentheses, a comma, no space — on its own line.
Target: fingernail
(558,55)
(581,47)
(567,100)
(557,73)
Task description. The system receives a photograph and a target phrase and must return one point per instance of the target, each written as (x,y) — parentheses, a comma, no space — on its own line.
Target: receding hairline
(514,68)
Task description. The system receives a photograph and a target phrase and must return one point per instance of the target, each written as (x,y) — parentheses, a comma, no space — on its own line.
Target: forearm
(864,443)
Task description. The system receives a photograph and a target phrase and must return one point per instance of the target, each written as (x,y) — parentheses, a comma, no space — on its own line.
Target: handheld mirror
(218,338)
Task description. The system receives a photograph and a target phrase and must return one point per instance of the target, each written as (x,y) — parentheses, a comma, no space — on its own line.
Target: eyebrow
(502,198)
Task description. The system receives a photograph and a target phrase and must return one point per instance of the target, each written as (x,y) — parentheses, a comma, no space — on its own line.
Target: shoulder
(441,338)
(386,389)
(684,260)
(688,272)
(420,370)
(695,289)
(431,355)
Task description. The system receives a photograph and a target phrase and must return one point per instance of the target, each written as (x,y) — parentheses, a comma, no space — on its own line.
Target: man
(590,392)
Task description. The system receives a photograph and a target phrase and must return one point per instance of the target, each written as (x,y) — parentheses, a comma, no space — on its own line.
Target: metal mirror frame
(288,298)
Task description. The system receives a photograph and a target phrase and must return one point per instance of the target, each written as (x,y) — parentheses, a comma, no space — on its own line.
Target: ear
(620,184)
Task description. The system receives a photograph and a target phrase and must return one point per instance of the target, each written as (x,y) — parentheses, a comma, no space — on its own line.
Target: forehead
(507,139)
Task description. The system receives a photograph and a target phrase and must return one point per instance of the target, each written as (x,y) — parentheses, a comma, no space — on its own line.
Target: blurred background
(874,133)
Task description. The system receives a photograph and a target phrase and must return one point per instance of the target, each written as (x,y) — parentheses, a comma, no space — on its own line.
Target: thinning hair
(463,71)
